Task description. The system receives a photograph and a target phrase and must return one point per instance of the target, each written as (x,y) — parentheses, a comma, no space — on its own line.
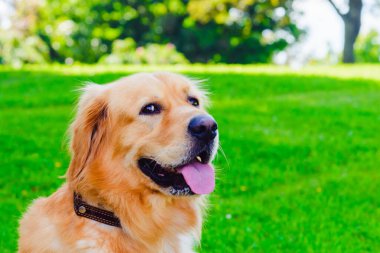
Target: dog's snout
(203,127)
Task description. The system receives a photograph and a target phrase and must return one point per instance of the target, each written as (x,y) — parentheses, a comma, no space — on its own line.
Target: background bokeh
(294,85)
(174,31)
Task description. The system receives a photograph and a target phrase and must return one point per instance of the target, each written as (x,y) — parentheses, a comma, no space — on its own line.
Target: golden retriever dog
(140,171)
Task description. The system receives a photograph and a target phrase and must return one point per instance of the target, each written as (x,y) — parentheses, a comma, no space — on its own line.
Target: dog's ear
(88,130)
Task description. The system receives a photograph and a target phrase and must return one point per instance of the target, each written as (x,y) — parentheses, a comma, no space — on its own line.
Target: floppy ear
(88,130)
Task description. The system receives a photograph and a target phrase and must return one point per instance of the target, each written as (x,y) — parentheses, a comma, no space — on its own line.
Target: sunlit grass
(303,150)
(369,72)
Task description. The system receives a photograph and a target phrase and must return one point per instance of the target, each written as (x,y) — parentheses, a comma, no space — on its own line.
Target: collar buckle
(83,209)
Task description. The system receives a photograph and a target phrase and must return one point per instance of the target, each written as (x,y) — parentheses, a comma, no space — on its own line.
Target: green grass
(303,150)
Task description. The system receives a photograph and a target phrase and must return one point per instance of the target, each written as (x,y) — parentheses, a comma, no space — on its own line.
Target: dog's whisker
(224,155)
(155,167)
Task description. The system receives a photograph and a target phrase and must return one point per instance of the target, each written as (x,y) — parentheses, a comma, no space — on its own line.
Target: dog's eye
(193,101)
(150,109)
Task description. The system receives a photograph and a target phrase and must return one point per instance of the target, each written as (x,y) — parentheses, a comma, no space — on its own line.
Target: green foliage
(16,50)
(20,44)
(234,31)
(125,51)
(228,31)
(302,148)
(367,48)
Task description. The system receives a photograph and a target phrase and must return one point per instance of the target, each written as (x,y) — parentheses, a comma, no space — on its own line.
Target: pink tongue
(200,177)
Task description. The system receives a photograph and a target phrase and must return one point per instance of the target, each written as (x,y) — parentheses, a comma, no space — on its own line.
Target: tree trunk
(352,23)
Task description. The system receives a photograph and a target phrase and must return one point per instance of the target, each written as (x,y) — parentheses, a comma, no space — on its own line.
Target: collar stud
(82,209)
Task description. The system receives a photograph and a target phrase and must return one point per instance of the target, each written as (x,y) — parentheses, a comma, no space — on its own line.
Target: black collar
(91,212)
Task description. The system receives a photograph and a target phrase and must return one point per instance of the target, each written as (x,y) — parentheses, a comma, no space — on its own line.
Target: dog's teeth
(199,158)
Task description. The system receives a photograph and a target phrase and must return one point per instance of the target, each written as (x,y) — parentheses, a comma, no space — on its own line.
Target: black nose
(203,128)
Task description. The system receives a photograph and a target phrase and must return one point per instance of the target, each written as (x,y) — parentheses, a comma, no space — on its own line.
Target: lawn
(302,167)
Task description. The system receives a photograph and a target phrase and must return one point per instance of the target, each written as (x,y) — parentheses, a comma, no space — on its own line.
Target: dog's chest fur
(61,230)
(95,242)
(103,238)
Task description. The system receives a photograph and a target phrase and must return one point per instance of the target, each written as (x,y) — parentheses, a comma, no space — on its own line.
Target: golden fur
(107,137)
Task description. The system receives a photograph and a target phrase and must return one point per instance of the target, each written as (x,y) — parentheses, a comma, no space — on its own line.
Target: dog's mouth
(194,176)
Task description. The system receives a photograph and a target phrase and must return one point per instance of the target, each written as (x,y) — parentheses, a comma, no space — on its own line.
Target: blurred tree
(85,30)
(235,31)
(367,48)
(231,31)
(19,43)
(352,23)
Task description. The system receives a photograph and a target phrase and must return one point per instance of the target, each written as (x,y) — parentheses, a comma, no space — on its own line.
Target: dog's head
(144,132)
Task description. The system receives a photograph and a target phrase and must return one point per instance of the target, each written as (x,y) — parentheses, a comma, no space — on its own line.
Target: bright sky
(4,12)
(324,26)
